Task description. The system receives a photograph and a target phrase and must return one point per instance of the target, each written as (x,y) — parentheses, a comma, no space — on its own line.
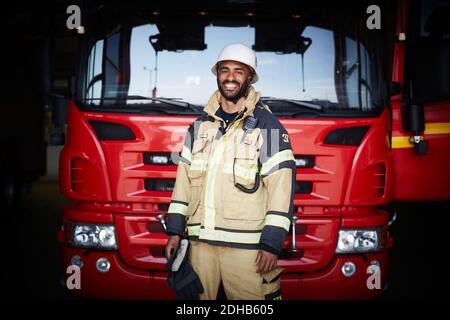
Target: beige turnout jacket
(235,186)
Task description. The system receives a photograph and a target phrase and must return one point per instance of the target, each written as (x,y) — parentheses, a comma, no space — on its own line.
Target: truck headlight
(160,160)
(359,240)
(94,236)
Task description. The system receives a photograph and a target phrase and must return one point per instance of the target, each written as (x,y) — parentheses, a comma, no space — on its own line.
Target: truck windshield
(334,68)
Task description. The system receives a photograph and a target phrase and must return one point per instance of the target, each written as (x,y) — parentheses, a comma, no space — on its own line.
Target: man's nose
(231,76)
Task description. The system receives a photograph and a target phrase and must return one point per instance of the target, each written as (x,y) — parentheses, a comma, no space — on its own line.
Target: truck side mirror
(413,116)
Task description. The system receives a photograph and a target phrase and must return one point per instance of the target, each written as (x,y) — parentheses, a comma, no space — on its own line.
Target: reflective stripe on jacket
(205,200)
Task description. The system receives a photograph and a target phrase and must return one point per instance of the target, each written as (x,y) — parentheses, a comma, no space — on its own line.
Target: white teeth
(230,86)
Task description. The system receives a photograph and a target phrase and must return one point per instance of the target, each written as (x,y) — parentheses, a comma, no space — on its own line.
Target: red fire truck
(367,109)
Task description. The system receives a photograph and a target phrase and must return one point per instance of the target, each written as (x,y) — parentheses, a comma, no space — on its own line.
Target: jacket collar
(250,102)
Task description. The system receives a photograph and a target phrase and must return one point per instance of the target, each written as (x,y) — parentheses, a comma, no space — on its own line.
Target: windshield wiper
(304,104)
(171,102)
(143,110)
(307,105)
(167,101)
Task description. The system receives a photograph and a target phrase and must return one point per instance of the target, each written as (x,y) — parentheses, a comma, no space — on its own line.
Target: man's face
(233,79)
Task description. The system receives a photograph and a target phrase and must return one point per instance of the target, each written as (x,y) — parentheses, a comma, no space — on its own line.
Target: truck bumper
(120,282)
(124,282)
(331,284)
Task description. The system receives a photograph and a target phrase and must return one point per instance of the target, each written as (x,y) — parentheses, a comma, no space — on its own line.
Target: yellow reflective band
(224,236)
(239,171)
(186,153)
(401,142)
(437,128)
(278,221)
(430,128)
(198,165)
(210,211)
(276,159)
(193,230)
(177,208)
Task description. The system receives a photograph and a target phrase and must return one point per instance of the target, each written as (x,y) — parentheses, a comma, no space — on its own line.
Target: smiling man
(234,187)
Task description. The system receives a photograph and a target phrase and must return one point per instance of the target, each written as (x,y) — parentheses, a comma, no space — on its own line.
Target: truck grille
(142,241)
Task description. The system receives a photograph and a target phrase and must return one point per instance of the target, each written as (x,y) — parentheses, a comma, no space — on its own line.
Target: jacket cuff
(170,233)
(176,224)
(267,248)
(273,237)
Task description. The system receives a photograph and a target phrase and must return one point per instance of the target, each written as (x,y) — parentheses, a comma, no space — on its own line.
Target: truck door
(422,172)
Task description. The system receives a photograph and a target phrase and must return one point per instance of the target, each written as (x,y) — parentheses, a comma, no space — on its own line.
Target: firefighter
(234,187)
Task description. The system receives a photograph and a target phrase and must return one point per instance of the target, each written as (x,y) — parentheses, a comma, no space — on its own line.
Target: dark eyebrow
(236,69)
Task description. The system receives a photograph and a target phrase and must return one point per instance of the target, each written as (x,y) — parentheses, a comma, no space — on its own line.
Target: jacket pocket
(192,207)
(271,284)
(196,178)
(195,216)
(199,144)
(245,165)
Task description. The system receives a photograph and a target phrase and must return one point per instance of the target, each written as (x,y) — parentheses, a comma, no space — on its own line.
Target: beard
(235,95)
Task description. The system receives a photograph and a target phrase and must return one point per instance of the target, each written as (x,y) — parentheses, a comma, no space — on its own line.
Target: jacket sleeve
(176,221)
(278,175)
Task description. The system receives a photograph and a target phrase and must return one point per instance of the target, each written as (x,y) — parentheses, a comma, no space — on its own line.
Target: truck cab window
(94,80)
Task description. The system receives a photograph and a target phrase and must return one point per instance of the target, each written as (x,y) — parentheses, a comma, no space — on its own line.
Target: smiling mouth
(230,86)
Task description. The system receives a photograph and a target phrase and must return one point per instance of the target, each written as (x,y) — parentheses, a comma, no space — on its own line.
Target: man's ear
(250,77)
(218,64)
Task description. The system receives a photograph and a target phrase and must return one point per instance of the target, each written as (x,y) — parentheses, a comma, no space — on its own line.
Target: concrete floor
(31,254)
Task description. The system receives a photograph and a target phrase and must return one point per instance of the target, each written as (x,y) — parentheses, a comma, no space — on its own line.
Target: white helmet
(240,53)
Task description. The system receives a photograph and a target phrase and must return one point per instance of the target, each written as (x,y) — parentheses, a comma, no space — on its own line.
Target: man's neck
(230,106)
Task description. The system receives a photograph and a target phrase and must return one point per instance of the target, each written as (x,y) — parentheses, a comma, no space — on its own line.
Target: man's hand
(266,261)
(172,245)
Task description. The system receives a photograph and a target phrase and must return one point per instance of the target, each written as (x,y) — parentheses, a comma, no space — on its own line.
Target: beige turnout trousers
(236,268)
